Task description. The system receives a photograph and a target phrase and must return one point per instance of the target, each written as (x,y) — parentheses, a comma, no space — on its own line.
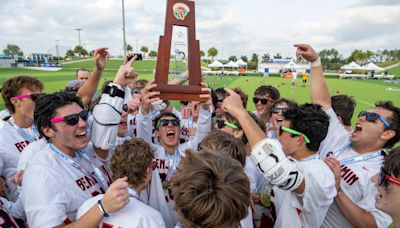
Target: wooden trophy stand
(179,13)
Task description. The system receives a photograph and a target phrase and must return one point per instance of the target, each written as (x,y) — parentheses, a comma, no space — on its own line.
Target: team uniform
(54,189)
(309,208)
(356,172)
(13,140)
(167,164)
(4,113)
(135,214)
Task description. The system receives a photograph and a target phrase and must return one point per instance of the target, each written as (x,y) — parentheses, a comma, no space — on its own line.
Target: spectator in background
(344,106)
(388,184)
(82,74)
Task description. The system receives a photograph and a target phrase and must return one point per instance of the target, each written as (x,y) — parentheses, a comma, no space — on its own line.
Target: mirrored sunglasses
(72,119)
(277,110)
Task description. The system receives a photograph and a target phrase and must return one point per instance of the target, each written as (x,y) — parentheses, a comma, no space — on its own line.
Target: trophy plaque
(180,34)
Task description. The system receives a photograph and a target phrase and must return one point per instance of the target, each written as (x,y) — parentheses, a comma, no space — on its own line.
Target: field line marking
(367,103)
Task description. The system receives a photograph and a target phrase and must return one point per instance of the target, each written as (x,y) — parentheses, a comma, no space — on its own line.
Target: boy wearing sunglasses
(169,152)
(354,157)
(132,159)
(264,99)
(17,131)
(68,165)
(303,186)
(387,182)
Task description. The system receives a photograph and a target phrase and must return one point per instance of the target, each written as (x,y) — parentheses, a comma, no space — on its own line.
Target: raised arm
(319,88)
(107,114)
(89,88)
(266,154)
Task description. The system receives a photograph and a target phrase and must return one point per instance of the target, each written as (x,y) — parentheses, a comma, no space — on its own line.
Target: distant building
(7,61)
(38,58)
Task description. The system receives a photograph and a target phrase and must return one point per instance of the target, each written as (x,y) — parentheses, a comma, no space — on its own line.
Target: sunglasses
(263,101)
(293,132)
(372,116)
(165,122)
(384,178)
(222,123)
(72,119)
(33,96)
(277,110)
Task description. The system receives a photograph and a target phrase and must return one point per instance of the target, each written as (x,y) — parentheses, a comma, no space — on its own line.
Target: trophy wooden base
(174,92)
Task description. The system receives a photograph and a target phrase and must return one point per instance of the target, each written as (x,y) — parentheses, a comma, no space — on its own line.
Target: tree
(80,51)
(265,57)
(129,47)
(153,54)
(254,58)
(13,50)
(278,56)
(91,53)
(202,53)
(331,59)
(212,52)
(70,53)
(232,58)
(144,49)
(244,58)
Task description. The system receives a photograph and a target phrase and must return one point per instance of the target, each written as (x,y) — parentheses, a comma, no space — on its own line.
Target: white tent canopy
(231,64)
(291,65)
(352,66)
(240,62)
(216,63)
(372,66)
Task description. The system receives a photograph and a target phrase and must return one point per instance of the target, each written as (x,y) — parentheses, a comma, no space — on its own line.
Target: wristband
(99,203)
(316,63)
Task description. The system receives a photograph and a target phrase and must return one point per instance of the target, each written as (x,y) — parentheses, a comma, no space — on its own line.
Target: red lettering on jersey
(348,175)
(80,184)
(90,181)
(21,145)
(67,221)
(105,173)
(162,164)
(106,225)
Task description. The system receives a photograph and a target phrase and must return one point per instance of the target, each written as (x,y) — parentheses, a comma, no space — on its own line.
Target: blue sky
(234,27)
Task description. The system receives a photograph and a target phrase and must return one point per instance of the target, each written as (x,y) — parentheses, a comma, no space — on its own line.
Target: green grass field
(366,92)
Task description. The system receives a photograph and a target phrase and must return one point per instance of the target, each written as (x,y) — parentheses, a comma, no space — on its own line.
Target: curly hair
(219,196)
(13,86)
(131,160)
(47,105)
(224,143)
(391,163)
(310,120)
(393,120)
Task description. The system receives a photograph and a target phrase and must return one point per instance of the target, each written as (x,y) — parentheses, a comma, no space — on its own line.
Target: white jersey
(356,177)
(135,215)
(309,208)
(4,113)
(166,164)
(54,198)
(12,143)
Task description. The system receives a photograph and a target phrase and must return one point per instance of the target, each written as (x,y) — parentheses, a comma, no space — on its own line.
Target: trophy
(180,32)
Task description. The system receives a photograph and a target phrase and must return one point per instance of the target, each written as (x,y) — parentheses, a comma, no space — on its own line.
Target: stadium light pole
(57,52)
(123,28)
(79,35)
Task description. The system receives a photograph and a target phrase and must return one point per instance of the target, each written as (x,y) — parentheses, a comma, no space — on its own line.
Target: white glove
(282,172)
(160,105)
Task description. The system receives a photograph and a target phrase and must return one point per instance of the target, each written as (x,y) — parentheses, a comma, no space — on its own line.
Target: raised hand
(117,195)
(206,105)
(126,74)
(149,97)
(307,52)
(233,103)
(100,57)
